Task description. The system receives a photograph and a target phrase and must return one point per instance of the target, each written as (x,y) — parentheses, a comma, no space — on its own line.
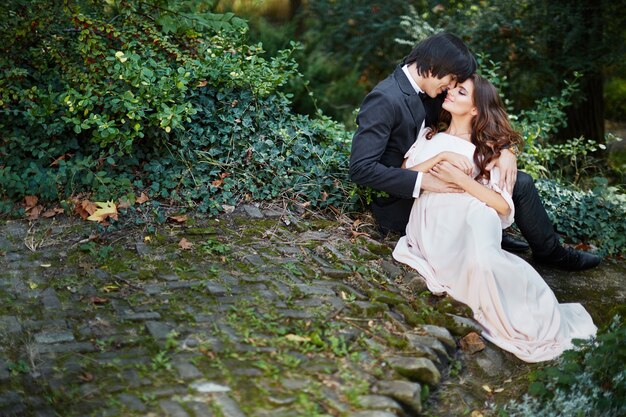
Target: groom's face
(434,86)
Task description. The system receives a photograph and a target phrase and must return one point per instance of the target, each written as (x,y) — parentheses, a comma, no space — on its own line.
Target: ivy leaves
(89,97)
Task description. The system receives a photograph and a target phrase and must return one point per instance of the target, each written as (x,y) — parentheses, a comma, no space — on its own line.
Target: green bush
(70,72)
(114,98)
(595,217)
(240,148)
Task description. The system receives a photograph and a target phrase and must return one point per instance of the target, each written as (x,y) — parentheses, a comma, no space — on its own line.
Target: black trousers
(531,217)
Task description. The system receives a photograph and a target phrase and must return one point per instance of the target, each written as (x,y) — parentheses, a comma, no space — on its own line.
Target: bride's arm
(458,160)
(449,173)
(424,166)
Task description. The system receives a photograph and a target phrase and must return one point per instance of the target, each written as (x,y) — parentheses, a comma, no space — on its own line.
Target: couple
(450,192)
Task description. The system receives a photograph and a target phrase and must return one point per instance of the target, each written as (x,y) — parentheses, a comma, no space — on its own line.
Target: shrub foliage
(589,380)
(112,98)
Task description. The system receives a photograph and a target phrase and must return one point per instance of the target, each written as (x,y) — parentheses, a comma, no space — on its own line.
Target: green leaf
(147,72)
(168,24)
(537,388)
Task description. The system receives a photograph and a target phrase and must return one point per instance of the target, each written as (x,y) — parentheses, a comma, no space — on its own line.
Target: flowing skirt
(453,241)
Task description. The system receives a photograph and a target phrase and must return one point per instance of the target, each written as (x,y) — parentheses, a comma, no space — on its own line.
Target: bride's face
(460,101)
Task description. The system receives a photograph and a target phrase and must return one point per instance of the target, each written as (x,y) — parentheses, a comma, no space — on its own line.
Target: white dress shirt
(418,181)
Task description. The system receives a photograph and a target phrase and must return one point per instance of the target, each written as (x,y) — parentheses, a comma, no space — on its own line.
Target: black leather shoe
(570,260)
(510,244)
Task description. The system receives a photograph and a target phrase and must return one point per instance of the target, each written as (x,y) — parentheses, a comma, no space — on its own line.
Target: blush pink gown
(453,241)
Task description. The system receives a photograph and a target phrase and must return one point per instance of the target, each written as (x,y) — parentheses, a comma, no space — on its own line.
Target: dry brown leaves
(179,219)
(184,244)
(218,183)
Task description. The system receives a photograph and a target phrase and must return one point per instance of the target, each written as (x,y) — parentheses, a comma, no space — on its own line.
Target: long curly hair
(491,130)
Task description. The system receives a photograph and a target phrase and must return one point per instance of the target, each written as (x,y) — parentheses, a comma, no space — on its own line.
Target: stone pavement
(264,313)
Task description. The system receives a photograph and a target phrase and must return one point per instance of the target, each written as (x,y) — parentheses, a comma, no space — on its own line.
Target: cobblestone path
(261,313)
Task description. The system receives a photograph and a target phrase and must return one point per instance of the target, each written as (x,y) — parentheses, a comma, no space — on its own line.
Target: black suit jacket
(388,124)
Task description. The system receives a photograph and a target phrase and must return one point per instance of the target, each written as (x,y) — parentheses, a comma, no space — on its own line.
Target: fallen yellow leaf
(487,388)
(110,288)
(106,210)
(296,338)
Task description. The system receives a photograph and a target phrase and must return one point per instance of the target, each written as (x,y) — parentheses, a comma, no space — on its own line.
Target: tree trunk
(586,117)
(294,7)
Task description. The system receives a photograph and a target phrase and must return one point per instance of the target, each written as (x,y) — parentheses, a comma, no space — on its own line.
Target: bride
(453,239)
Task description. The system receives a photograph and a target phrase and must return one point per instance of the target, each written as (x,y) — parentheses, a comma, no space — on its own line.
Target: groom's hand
(508,169)
(430,183)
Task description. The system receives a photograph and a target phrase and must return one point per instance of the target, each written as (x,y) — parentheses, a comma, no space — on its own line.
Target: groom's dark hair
(442,54)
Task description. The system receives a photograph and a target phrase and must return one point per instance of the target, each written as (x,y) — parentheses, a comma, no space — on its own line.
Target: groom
(389,120)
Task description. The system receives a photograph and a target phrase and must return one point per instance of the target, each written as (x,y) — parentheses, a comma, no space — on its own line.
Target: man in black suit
(389,120)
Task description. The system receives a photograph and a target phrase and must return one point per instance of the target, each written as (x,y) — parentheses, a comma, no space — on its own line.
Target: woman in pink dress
(453,239)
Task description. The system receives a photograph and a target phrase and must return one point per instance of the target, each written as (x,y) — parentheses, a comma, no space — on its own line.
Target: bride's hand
(447,172)
(508,169)
(462,162)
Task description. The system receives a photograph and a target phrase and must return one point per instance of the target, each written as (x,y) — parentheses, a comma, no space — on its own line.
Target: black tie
(422,95)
